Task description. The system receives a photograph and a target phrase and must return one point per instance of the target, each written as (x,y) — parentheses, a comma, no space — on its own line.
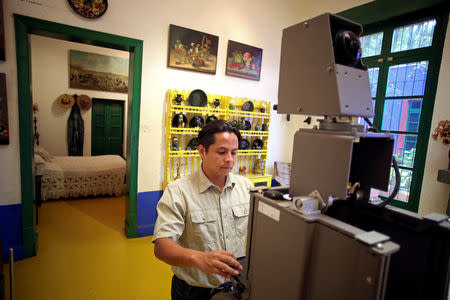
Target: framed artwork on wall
(4,128)
(2,33)
(192,50)
(243,61)
(93,71)
(91,9)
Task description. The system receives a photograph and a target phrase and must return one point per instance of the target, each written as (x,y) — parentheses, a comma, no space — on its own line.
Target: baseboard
(146,212)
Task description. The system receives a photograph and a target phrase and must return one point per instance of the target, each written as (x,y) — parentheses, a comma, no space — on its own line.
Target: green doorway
(25,26)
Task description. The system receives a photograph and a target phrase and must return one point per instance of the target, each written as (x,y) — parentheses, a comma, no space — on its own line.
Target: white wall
(257,23)
(50,79)
(435,195)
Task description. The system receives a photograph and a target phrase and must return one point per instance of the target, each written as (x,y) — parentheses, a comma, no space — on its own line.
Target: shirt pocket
(205,225)
(240,215)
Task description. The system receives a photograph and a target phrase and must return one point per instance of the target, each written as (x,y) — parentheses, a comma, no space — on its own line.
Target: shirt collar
(204,183)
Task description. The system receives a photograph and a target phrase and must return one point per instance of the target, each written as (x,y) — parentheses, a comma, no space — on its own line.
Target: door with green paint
(107,127)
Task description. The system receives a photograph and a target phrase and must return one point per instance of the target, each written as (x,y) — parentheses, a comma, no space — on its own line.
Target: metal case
(308,71)
(328,160)
(291,256)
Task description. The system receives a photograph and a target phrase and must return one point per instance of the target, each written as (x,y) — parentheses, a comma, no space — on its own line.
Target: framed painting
(243,61)
(2,33)
(93,71)
(192,50)
(4,128)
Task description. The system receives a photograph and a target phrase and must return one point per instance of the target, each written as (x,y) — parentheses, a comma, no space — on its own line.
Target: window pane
(405,186)
(371,44)
(407,79)
(413,36)
(405,149)
(373,79)
(402,114)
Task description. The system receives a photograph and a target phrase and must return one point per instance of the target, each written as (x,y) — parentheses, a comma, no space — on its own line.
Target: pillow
(43,153)
(38,160)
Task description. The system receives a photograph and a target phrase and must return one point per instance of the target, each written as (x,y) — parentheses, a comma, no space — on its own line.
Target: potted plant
(442,131)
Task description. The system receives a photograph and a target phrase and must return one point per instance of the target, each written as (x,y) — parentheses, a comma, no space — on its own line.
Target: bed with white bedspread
(81,176)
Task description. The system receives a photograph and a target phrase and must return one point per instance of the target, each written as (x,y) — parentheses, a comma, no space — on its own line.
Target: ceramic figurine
(178,171)
(258,168)
(175,145)
(242,170)
(257,127)
(242,124)
(231,105)
(265,127)
(181,121)
(263,108)
(178,99)
(216,103)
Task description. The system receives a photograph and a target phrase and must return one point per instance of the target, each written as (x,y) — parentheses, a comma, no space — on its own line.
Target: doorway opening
(24,26)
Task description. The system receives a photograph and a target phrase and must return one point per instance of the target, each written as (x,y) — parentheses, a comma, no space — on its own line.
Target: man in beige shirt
(202,218)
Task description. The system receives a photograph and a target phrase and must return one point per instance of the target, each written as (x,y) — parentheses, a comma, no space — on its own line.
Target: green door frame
(27,25)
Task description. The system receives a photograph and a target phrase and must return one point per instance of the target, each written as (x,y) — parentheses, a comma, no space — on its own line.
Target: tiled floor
(84,254)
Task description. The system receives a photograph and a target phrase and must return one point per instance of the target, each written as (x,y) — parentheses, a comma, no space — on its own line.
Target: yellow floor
(83,254)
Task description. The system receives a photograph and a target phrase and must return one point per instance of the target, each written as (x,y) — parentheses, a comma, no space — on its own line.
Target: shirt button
(228,236)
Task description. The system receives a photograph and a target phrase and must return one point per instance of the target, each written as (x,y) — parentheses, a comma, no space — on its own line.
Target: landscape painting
(98,72)
(4,128)
(192,50)
(243,61)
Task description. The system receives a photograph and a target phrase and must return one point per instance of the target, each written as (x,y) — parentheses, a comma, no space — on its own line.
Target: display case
(189,111)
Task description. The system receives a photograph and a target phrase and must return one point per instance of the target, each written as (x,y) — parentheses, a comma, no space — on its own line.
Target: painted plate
(177,119)
(192,144)
(197,98)
(245,144)
(90,9)
(247,125)
(235,124)
(248,106)
(257,144)
(210,118)
(196,122)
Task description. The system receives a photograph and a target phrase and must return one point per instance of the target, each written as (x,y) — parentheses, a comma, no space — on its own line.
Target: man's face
(221,156)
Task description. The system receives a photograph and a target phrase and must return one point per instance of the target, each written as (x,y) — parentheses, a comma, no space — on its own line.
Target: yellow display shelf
(181,161)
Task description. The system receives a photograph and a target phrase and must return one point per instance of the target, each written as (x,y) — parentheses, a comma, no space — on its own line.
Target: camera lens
(347,48)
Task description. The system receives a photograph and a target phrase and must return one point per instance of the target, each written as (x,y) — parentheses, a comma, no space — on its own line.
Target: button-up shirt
(197,215)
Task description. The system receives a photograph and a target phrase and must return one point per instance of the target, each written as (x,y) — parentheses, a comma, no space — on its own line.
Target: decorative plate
(247,125)
(90,9)
(257,144)
(193,144)
(248,106)
(196,122)
(197,98)
(234,124)
(177,119)
(245,144)
(210,118)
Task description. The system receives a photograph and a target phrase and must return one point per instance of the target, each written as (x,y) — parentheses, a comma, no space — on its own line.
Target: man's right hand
(215,262)
(219,262)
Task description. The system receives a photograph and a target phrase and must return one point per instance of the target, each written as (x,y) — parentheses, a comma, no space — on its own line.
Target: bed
(80,176)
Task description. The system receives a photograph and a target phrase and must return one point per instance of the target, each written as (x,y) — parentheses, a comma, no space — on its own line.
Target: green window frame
(432,54)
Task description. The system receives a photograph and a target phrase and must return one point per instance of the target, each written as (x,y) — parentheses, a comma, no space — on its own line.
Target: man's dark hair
(206,135)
